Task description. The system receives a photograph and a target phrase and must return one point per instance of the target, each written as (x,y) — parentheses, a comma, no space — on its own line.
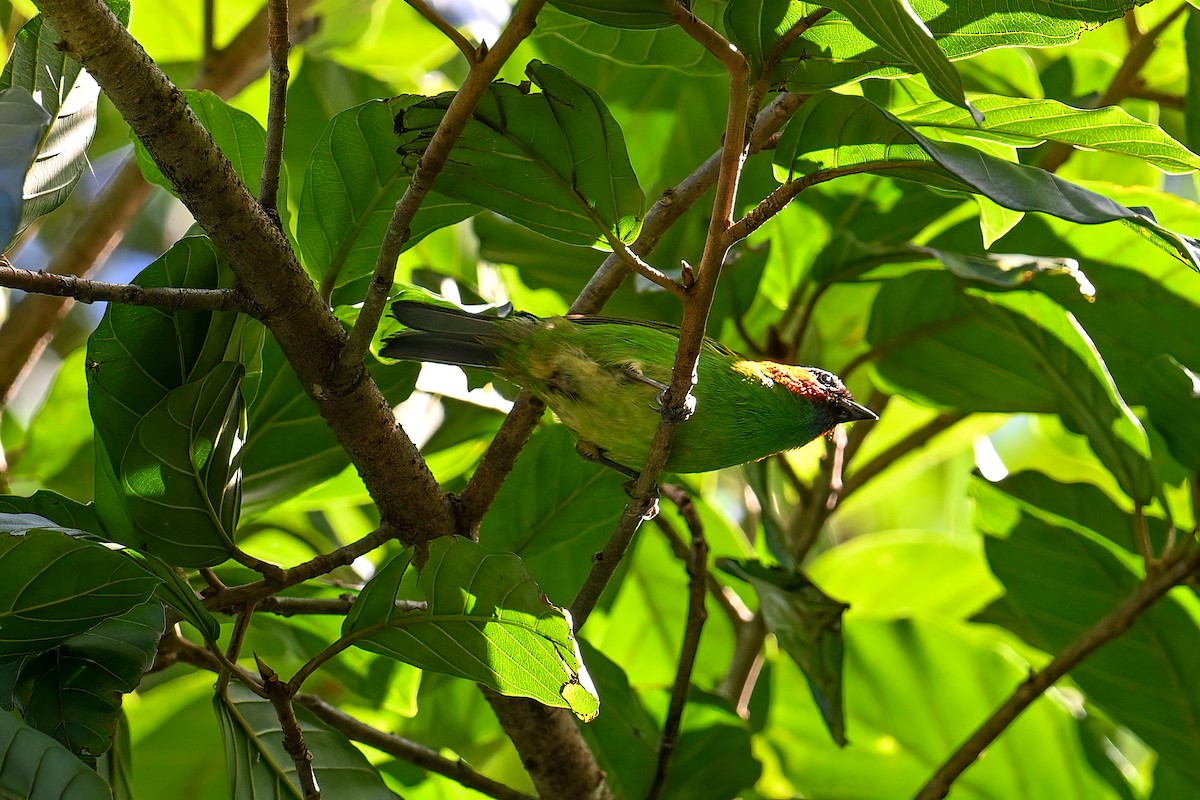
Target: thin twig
(696,615)
(318,661)
(746,664)
(442,24)
(728,600)
(773,59)
(1109,627)
(648,272)
(913,441)
(85,291)
(280,695)
(278,44)
(677,397)
(418,754)
(234,649)
(483,71)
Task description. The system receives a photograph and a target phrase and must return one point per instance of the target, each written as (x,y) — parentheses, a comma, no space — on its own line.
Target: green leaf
(486,621)
(663,46)
(1023,122)
(624,737)
(808,625)
(61,510)
(1191,106)
(73,691)
(1062,581)
(23,123)
(238,134)
(834,51)
(182,471)
(69,96)
(116,765)
(32,765)
(60,585)
(1015,352)
(1172,398)
(533,158)
(354,180)
(258,765)
(895,26)
(175,592)
(713,758)
(756,26)
(635,14)
(554,506)
(836,134)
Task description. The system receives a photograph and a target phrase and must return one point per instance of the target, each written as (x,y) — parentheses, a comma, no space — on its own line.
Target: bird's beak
(852,411)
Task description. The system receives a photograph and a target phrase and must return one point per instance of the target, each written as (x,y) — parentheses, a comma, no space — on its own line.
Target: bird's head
(822,388)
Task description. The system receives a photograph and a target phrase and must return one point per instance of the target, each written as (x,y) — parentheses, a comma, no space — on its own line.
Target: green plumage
(603,377)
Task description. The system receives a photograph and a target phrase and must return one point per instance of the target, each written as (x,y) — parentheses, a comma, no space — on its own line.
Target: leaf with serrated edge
(486,621)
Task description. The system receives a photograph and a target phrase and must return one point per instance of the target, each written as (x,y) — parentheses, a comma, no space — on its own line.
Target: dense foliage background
(212,532)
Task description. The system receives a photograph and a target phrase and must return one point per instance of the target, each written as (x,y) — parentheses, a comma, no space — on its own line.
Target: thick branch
(1110,627)
(410,751)
(261,258)
(85,291)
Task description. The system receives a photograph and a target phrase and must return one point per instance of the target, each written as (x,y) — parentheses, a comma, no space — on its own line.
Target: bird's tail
(441,334)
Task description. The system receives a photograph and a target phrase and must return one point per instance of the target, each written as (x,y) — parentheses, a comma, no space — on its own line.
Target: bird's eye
(827,379)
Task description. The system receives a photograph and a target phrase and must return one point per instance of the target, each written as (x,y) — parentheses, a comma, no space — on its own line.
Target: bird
(605,378)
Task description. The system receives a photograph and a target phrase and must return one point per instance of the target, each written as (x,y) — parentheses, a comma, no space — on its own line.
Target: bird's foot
(677,414)
(593,453)
(649,509)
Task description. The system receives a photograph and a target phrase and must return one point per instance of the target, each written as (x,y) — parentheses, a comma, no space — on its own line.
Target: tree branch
(278,44)
(1109,627)
(914,441)
(696,615)
(483,71)
(455,769)
(85,291)
(280,695)
(438,21)
(260,256)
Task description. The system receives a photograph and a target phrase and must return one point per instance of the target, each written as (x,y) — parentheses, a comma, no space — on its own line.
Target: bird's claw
(676,415)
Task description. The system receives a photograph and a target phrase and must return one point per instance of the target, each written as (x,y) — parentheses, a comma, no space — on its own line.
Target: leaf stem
(442,24)
(483,71)
(278,44)
(1107,628)
(698,576)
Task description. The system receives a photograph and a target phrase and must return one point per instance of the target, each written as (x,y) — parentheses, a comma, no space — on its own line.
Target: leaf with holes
(73,691)
(485,620)
(259,767)
(554,161)
(836,134)
(182,472)
(59,585)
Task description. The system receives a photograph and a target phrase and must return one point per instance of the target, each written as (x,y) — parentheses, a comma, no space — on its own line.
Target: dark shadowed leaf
(1062,581)
(32,765)
(486,621)
(531,156)
(624,736)
(182,471)
(713,758)
(73,691)
(58,585)
(835,134)
(554,511)
(354,180)
(22,125)
(636,14)
(808,625)
(259,767)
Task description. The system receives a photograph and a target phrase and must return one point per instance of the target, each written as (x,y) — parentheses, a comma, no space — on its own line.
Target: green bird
(604,379)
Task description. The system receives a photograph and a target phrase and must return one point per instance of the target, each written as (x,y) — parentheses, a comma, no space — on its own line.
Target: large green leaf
(834,51)
(636,14)
(895,26)
(553,507)
(259,767)
(354,180)
(1062,581)
(182,471)
(32,765)
(533,157)
(624,737)
(39,64)
(239,136)
(836,134)
(58,585)
(486,621)
(1014,352)
(808,625)
(73,691)
(713,758)
(23,123)
(1024,122)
